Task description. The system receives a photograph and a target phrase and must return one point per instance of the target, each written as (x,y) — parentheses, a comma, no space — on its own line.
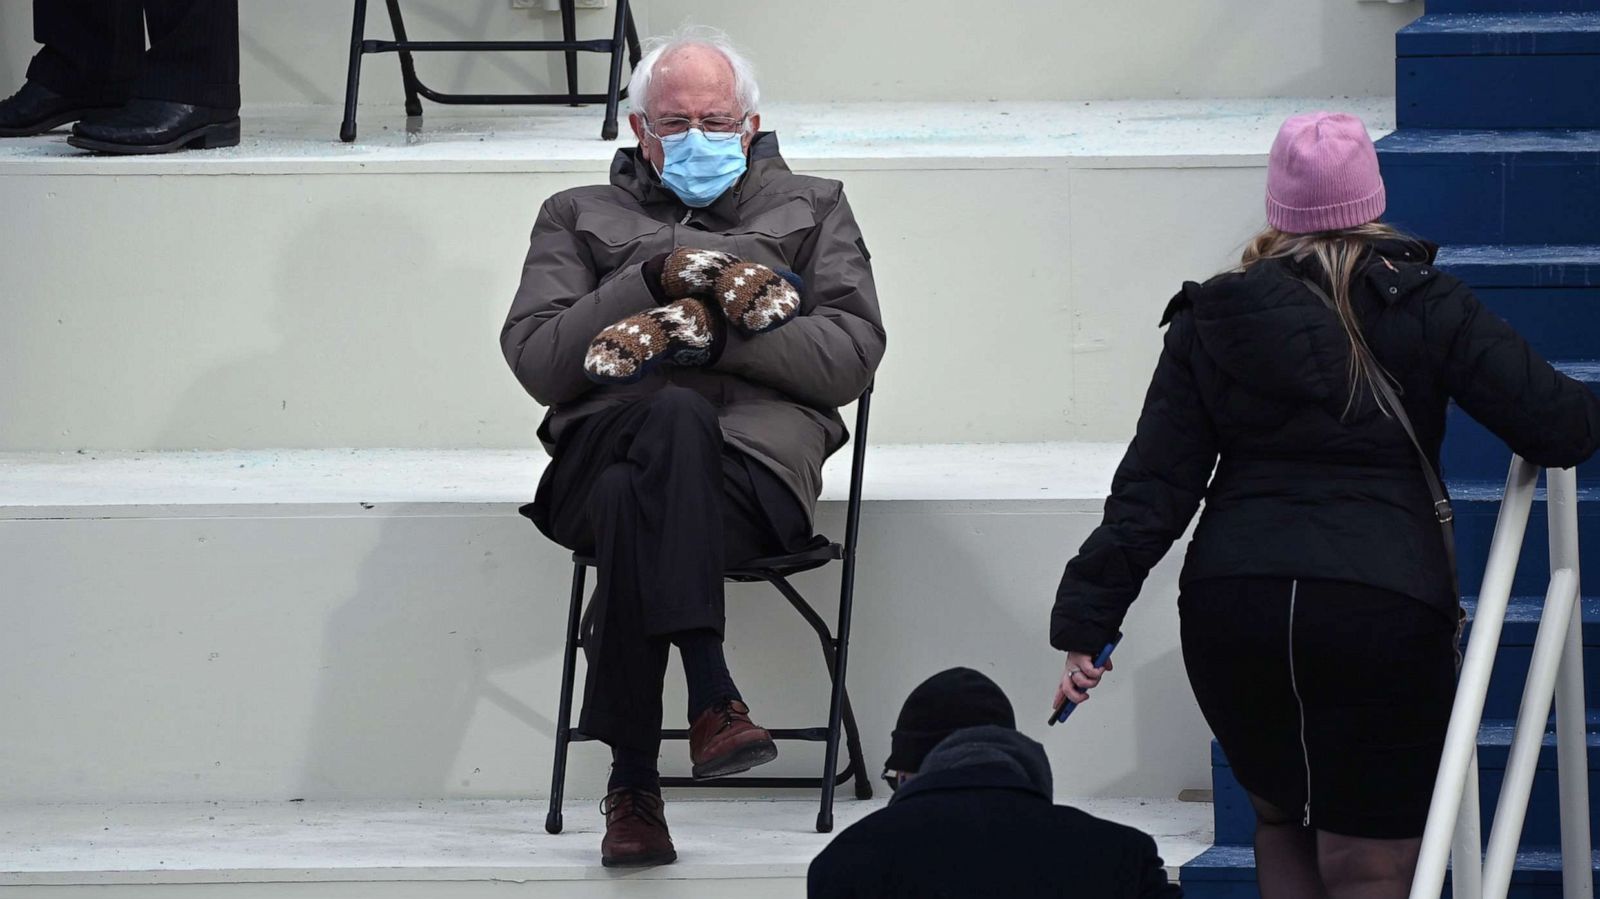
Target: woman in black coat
(1319,617)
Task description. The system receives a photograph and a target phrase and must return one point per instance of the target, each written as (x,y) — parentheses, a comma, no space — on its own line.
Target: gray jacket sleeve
(824,358)
(561,305)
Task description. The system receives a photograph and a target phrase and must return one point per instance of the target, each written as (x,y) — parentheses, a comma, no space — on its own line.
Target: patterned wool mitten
(684,333)
(687,272)
(754,298)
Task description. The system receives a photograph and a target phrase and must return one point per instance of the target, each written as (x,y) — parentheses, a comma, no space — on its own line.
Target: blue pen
(1067,705)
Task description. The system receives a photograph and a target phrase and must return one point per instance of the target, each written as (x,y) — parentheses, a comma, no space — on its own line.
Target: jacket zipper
(1305,752)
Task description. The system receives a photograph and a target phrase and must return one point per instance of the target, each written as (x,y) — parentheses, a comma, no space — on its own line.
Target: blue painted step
(1499,70)
(1558,323)
(1503,266)
(1550,294)
(1516,651)
(1477,503)
(1235,822)
(1494,187)
(1229,872)
(1473,452)
(1512,6)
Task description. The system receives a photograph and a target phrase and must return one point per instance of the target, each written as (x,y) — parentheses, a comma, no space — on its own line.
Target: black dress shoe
(36,109)
(157,126)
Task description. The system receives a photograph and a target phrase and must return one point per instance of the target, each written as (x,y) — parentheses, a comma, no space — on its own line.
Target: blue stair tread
(1504,6)
(1475,490)
(1494,740)
(1501,34)
(1529,144)
(1585,370)
(1220,863)
(1523,614)
(1534,865)
(1523,610)
(1501,265)
(1496,733)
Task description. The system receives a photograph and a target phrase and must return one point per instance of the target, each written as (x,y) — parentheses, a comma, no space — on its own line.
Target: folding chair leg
(608,131)
(841,658)
(352,86)
(634,53)
(408,66)
(852,741)
(569,660)
(569,33)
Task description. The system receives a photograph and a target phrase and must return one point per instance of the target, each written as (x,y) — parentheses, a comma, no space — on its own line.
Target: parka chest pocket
(774,237)
(617,240)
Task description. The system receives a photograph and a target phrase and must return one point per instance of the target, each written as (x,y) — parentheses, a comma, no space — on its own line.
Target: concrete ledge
(451,845)
(55,485)
(842,136)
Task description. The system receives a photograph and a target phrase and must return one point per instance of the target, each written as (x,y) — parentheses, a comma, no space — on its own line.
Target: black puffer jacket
(1255,371)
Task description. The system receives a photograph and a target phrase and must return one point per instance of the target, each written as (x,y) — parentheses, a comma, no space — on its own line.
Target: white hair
(745,89)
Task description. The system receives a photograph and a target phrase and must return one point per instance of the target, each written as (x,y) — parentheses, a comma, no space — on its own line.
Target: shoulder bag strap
(1441,500)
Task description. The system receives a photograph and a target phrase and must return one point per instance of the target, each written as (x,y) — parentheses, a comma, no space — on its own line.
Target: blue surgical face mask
(699,169)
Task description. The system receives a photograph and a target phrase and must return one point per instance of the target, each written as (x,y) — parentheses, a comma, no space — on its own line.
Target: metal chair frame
(624,38)
(835,651)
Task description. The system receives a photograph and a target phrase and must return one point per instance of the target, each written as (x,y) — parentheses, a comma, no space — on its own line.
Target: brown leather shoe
(636,830)
(723,741)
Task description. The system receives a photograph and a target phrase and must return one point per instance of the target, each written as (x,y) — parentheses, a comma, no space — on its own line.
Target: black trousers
(664,505)
(95,48)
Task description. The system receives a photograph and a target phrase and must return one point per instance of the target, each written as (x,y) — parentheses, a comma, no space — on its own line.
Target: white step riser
(295,51)
(413,651)
(359,309)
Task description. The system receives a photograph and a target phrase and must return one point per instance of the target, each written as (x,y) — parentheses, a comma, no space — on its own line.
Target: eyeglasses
(675,128)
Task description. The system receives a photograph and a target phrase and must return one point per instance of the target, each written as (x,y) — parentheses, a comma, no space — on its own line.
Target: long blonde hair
(1339,253)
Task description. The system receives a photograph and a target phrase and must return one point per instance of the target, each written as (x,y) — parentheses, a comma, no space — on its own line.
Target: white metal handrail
(1556,672)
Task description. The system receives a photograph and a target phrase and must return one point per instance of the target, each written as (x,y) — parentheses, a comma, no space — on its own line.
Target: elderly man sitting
(693,328)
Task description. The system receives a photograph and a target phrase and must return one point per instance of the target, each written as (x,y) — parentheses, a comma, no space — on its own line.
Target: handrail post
(1528,736)
(1461,739)
(1572,763)
(1466,855)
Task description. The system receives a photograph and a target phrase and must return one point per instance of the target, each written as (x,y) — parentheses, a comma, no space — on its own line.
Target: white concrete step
(447,849)
(38,485)
(298,292)
(366,625)
(294,51)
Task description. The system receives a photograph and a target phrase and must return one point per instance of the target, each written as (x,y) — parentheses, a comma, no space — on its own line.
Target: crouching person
(973,814)
(693,327)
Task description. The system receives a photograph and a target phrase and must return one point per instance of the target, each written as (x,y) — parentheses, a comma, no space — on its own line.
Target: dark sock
(705,669)
(634,769)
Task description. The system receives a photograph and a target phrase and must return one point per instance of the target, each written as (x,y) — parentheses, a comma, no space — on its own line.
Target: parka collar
(983,758)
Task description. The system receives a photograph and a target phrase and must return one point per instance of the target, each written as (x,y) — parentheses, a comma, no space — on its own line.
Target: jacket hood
(1266,329)
(987,757)
(630,172)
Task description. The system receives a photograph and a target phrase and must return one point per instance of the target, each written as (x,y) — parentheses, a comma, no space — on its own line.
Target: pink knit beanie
(1322,175)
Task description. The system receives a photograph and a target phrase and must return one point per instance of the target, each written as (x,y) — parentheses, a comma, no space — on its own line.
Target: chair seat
(819,553)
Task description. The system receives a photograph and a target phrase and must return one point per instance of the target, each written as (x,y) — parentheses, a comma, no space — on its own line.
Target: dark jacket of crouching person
(978,819)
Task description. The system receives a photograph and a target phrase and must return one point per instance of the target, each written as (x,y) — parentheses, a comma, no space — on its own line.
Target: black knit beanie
(941,705)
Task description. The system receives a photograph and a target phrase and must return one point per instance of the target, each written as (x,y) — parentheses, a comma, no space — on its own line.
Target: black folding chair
(624,38)
(775,571)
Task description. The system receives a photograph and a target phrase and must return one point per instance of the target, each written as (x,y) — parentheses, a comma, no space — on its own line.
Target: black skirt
(1330,699)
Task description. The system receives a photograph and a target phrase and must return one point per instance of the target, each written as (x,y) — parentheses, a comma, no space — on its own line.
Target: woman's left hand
(1079,678)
